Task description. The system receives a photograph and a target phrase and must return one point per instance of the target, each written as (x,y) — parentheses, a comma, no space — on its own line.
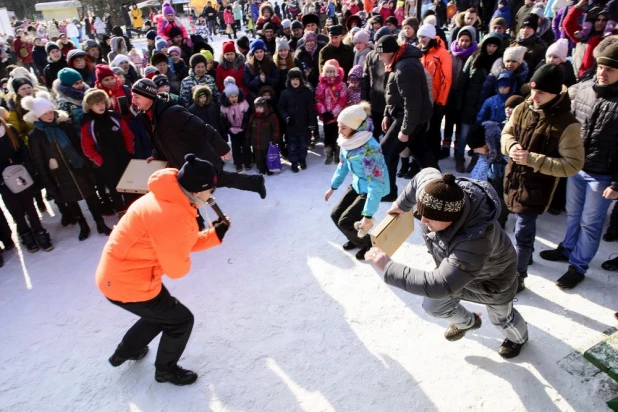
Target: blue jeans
(525,232)
(586,212)
(297,148)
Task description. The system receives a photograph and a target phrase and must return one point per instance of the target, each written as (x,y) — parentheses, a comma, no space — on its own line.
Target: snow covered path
(285,320)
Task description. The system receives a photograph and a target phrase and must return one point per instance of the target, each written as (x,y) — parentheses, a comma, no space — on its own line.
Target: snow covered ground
(285,320)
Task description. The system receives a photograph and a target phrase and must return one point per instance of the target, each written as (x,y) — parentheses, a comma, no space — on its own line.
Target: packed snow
(285,320)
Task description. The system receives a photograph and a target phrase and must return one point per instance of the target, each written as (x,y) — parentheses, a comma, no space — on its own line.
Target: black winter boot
(43,240)
(84,229)
(27,239)
(555,255)
(405,165)
(510,349)
(177,376)
(102,228)
(117,360)
(67,217)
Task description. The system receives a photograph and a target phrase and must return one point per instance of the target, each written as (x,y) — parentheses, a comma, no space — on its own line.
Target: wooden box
(392,231)
(136,175)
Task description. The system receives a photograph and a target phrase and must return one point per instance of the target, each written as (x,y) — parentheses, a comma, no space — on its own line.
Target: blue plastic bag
(273,159)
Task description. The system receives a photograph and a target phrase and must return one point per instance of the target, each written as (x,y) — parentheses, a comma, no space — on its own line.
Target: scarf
(55,134)
(357,140)
(389,68)
(463,53)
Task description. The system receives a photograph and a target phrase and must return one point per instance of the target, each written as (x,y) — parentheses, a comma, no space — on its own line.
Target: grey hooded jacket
(475,259)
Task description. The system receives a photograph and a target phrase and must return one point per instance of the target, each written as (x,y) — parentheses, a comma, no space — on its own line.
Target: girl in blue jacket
(361,155)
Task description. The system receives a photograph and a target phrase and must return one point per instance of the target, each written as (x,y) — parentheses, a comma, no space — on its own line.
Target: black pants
(21,205)
(240,149)
(251,183)
(104,180)
(331,130)
(392,147)
(93,205)
(347,212)
(559,200)
(435,135)
(5,231)
(377,117)
(613,220)
(164,314)
(260,159)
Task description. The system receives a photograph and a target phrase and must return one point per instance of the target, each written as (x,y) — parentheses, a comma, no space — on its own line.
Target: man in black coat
(408,108)
(126,19)
(373,84)
(175,132)
(335,49)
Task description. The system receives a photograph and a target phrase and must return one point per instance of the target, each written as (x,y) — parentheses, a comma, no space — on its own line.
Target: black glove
(328,116)
(220,228)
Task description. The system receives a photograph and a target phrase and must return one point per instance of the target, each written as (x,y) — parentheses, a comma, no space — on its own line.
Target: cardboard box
(392,231)
(136,175)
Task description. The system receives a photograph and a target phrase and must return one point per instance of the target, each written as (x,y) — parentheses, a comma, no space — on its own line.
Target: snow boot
(555,255)
(509,349)
(360,255)
(117,360)
(328,152)
(67,217)
(177,376)
(43,240)
(84,229)
(453,333)
(102,228)
(27,239)
(295,167)
(349,246)
(303,165)
(611,264)
(460,164)
(521,284)
(570,279)
(405,166)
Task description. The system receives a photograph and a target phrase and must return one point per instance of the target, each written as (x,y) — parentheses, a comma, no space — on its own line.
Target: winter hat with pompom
(431,19)
(231,90)
(229,80)
(38,106)
(441,200)
(168,9)
(353,116)
(427,30)
(559,49)
(361,37)
(197,175)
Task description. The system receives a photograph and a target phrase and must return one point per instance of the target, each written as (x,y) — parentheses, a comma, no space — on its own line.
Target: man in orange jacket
(156,237)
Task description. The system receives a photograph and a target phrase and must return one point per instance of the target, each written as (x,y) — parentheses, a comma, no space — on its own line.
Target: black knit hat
(51,46)
(548,78)
(609,57)
(20,81)
(151,35)
(532,21)
(476,136)
(157,58)
(160,80)
(296,25)
(387,44)
(269,26)
(441,199)
(295,73)
(146,88)
(175,31)
(197,175)
(243,42)
(197,59)
(392,20)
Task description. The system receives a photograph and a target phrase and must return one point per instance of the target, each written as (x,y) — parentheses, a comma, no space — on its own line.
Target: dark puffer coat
(406,92)
(475,259)
(297,105)
(66,183)
(596,108)
(373,82)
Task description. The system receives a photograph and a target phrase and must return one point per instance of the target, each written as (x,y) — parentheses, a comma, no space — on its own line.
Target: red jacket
(118,91)
(89,144)
(19,44)
(156,236)
(570,26)
(236,70)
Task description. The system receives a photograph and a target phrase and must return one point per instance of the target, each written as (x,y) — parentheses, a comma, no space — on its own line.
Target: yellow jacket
(136,15)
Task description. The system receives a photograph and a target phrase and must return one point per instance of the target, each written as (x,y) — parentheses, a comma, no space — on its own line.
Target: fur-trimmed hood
(22,72)
(69,94)
(239,60)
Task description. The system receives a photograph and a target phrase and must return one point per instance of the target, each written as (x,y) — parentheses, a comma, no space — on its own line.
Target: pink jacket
(228,17)
(331,96)
(164,27)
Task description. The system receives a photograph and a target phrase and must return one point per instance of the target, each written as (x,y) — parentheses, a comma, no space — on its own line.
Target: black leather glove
(220,228)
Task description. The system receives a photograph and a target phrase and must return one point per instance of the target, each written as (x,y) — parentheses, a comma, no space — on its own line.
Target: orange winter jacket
(437,61)
(153,238)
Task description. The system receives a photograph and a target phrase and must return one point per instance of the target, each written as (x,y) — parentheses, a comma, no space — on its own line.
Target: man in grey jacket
(475,259)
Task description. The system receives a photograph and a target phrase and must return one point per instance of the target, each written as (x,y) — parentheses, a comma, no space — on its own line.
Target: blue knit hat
(257,45)
(160,44)
(68,77)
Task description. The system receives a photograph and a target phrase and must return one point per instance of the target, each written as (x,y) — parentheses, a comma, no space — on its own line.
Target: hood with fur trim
(200,89)
(239,60)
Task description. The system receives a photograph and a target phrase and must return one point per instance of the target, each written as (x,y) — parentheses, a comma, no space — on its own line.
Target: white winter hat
(559,49)
(229,80)
(353,116)
(282,44)
(37,105)
(431,19)
(515,54)
(119,59)
(427,30)
(286,24)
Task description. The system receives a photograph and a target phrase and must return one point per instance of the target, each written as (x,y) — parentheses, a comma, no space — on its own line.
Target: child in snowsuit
(296,109)
(330,99)
(493,108)
(362,155)
(263,129)
(107,141)
(235,116)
